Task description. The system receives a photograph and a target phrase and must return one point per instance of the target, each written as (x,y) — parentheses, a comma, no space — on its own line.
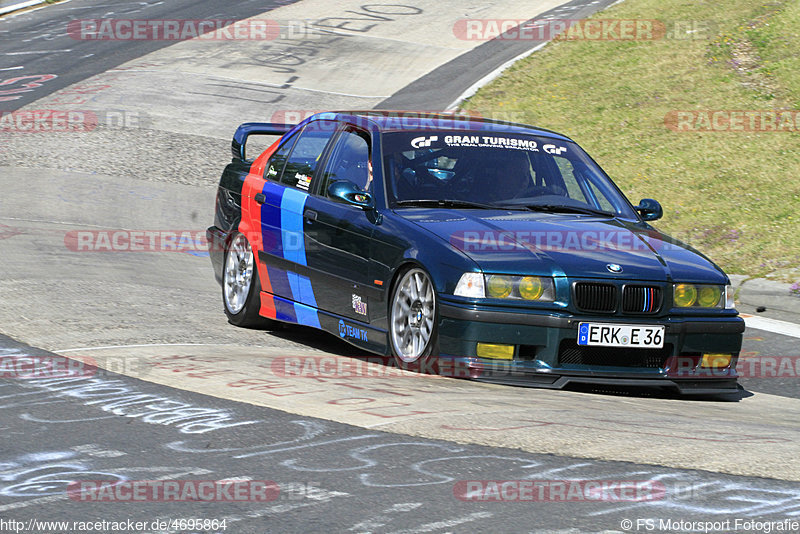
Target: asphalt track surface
(332,477)
(42,44)
(392,466)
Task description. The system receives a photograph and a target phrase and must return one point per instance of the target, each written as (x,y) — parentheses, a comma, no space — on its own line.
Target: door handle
(310,215)
(261,198)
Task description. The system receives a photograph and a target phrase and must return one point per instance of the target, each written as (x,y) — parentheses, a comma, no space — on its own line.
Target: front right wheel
(413,319)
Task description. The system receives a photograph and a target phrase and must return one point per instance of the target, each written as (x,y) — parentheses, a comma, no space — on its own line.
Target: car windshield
(489,169)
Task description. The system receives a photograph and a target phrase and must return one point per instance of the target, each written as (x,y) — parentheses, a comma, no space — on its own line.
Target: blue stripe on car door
(271,219)
(292,204)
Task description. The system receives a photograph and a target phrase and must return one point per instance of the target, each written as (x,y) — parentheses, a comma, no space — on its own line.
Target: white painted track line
(772,325)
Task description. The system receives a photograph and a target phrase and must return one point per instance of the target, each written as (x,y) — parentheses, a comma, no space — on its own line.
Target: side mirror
(348,192)
(650,209)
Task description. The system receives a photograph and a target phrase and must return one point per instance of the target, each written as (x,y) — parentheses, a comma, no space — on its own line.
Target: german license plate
(620,335)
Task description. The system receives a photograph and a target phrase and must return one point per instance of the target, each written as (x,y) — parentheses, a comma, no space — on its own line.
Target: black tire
(421,320)
(243,309)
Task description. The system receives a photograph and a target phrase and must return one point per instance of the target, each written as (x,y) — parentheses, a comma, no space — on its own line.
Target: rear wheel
(241,288)
(412,321)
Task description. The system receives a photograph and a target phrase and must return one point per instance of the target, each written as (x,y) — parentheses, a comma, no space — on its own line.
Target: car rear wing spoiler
(238,145)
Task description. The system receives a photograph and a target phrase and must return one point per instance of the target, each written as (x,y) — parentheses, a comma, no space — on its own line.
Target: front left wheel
(241,288)
(412,321)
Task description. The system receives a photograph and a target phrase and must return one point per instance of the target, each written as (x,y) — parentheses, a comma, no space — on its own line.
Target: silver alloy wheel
(238,274)
(412,315)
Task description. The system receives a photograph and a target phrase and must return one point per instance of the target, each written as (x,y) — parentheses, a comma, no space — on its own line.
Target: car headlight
(730,297)
(501,286)
(470,285)
(531,287)
(700,296)
(685,295)
(708,296)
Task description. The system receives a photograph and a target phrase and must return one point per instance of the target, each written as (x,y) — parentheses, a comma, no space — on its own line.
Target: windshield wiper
(563,208)
(449,203)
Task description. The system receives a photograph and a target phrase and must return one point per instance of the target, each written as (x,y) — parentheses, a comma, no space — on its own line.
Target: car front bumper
(546,353)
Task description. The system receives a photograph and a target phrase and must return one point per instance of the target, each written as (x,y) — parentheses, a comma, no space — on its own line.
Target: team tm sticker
(359,306)
(349,331)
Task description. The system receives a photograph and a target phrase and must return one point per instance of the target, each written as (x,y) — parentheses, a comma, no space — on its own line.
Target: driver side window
(349,161)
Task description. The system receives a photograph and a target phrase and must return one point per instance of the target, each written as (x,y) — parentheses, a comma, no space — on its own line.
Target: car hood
(517,242)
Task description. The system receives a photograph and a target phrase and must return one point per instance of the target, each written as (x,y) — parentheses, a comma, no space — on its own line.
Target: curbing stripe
(772,325)
(20,5)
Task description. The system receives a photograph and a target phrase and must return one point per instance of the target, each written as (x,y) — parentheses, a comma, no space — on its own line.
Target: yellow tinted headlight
(531,287)
(518,287)
(498,287)
(685,295)
(708,296)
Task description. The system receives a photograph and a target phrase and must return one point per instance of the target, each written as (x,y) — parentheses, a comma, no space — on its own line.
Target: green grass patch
(735,195)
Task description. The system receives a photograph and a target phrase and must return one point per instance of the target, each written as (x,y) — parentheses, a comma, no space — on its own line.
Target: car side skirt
(356,333)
